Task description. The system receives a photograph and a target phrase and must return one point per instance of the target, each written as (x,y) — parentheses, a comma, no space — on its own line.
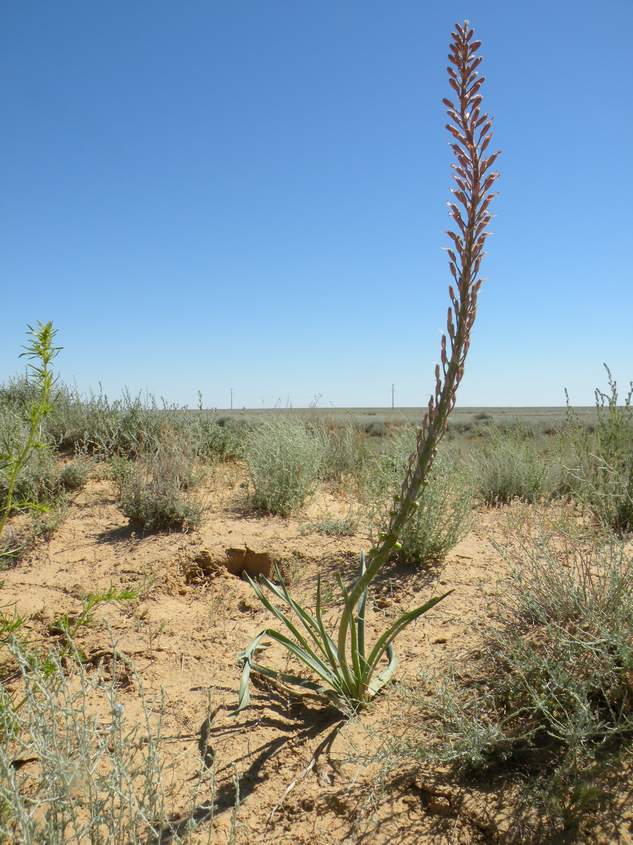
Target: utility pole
(231,398)
(393,396)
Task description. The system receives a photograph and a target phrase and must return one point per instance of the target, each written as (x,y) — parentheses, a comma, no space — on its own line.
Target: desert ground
(289,769)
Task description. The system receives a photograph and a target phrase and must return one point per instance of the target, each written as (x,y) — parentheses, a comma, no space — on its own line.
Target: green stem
(42,349)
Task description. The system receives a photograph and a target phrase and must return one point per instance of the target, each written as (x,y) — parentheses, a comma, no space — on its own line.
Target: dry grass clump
(75,768)
(284,458)
(332,526)
(154,490)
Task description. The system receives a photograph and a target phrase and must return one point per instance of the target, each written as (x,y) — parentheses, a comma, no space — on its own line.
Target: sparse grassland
(528,514)
(531,610)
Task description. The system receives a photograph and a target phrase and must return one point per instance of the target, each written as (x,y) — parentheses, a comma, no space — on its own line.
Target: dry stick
(471,131)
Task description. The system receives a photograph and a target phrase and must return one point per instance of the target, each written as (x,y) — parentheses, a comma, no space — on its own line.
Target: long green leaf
(280,615)
(361,616)
(380,680)
(244,696)
(327,640)
(308,622)
(251,666)
(352,675)
(306,657)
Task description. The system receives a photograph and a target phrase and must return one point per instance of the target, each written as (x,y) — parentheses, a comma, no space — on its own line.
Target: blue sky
(208,195)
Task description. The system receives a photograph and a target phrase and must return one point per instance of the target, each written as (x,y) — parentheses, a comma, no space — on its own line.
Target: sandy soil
(300,768)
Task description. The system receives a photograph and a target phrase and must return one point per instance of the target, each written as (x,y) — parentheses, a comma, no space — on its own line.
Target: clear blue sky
(207,195)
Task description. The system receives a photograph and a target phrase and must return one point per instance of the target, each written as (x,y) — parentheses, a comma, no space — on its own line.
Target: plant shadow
(294,721)
(120,534)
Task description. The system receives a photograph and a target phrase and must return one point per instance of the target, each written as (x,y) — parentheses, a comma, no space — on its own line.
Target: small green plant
(68,625)
(347,670)
(154,490)
(601,470)
(41,351)
(10,624)
(348,684)
(284,459)
(332,526)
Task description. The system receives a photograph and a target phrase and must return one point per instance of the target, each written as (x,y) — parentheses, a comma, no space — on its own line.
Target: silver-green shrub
(75,768)
(512,463)
(345,451)
(154,490)
(74,474)
(549,692)
(284,460)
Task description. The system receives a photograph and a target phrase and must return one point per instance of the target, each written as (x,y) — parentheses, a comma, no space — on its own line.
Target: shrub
(41,482)
(376,428)
(332,526)
(73,475)
(38,481)
(513,464)
(125,427)
(216,438)
(284,460)
(443,507)
(552,688)
(18,394)
(153,489)
(344,449)
(94,774)
(133,425)
(601,472)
